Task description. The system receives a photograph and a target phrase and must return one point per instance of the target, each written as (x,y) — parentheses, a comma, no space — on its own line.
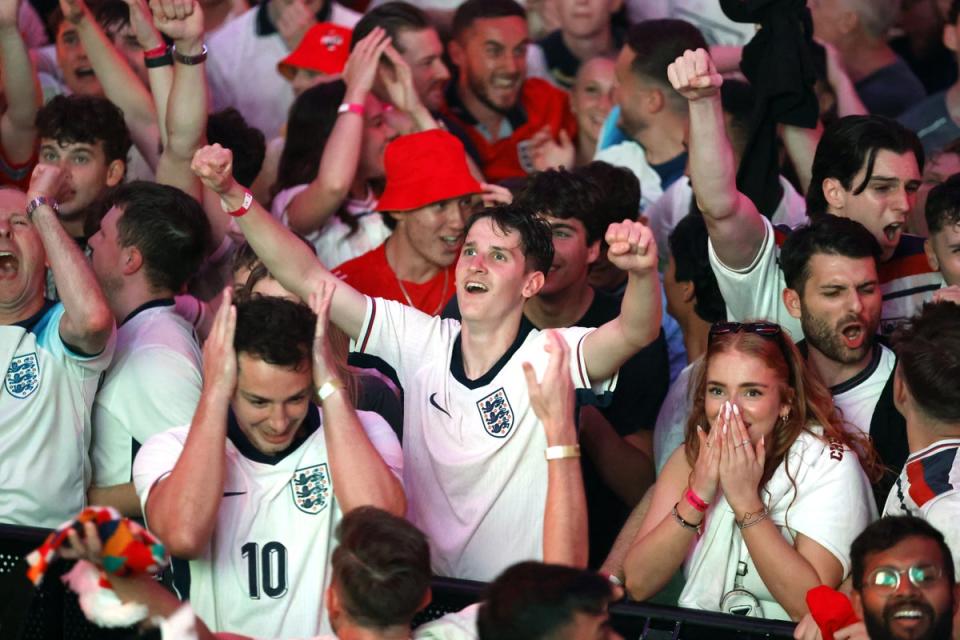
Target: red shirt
(371,274)
(540,105)
(16,175)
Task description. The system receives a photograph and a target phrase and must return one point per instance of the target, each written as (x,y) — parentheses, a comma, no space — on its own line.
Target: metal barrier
(52,613)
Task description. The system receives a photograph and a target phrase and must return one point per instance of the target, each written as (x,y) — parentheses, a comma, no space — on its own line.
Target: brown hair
(809,398)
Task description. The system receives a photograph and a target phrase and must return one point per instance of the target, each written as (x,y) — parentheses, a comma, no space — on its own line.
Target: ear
(655,101)
(689,290)
(857,601)
(457,53)
(900,392)
(427,597)
(931,255)
(333,603)
(115,172)
(834,194)
(791,300)
(534,283)
(848,22)
(132,260)
(593,251)
(950,40)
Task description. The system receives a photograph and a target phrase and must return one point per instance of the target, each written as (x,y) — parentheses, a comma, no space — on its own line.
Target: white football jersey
(45,409)
(474,470)
(153,384)
(266,567)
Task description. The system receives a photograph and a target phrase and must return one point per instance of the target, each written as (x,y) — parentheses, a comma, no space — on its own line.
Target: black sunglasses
(765,329)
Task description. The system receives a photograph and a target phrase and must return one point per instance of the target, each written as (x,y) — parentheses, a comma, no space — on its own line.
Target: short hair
(532,600)
(229,129)
(86,119)
(888,532)
(876,17)
(738,99)
(619,188)
(392,17)
(276,330)
(657,44)
(850,144)
(536,237)
(830,235)
(688,246)
(928,357)
(381,568)
(473,10)
(168,227)
(111,15)
(943,205)
(564,194)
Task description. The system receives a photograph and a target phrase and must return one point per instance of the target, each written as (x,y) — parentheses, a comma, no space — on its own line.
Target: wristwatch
(39,200)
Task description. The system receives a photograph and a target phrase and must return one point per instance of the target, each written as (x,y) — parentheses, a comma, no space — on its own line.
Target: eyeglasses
(765,329)
(888,578)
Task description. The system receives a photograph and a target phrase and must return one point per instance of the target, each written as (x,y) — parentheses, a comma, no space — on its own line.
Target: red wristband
(156,52)
(695,501)
(244,207)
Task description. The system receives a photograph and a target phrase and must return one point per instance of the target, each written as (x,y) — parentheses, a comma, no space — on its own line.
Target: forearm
(848,100)
(565,513)
(89,321)
(801,144)
(655,557)
(361,477)
(713,169)
(159,602)
(621,546)
(122,497)
(640,310)
(186,123)
(624,468)
(22,91)
(182,508)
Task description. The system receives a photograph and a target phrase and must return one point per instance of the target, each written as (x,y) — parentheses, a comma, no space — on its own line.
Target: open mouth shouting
(9,265)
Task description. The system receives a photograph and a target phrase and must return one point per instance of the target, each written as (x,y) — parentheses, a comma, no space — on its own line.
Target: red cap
(324,48)
(423,168)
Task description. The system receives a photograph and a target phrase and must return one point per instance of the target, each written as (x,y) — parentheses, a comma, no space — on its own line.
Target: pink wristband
(695,501)
(351,107)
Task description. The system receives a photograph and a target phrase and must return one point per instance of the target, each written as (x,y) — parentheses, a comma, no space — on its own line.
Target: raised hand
(553,154)
(324,363)
(361,68)
(632,247)
(73,10)
(397,79)
(494,194)
(552,398)
(741,463)
(46,180)
(141,20)
(694,75)
(179,20)
(293,21)
(705,477)
(219,356)
(947,294)
(214,166)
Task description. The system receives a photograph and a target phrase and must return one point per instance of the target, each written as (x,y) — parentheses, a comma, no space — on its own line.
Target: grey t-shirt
(891,90)
(932,123)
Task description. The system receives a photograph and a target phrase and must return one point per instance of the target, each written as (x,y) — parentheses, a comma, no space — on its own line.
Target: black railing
(51,612)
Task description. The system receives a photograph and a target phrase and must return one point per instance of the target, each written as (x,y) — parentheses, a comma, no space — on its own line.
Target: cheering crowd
(585,299)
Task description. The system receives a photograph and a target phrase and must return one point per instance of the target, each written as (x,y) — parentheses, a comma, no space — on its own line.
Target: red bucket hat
(324,49)
(423,168)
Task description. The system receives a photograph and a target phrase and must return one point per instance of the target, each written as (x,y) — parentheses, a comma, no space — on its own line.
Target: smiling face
(492,57)
(435,231)
(423,51)
(907,612)
(572,256)
(592,95)
(882,207)
(21,257)
(72,59)
(748,382)
(271,402)
(492,276)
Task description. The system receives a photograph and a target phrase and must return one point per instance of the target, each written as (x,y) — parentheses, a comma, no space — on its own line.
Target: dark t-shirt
(891,90)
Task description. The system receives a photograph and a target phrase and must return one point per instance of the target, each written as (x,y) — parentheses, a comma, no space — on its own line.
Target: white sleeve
(670,428)
(575,337)
(403,337)
(942,512)
(88,366)
(756,292)
(834,502)
(384,440)
(283,199)
(155,461)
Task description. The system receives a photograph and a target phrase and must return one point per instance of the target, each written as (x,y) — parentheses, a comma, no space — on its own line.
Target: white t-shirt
(706,15)
(929,488)
(152,385)
(333,242)
(459,625)
(45,407)
(264,571)
(242,68)
(474,470)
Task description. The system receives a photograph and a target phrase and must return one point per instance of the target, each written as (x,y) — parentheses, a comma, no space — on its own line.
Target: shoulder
(243,27)
(538,93)
(362,265)
(933,477)
(922,114)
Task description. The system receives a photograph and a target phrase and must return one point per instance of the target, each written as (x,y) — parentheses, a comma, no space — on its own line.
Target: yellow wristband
(561,452)
(327,389)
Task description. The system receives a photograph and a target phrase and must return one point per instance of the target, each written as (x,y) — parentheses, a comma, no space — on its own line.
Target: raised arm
(18,132)
(186,107)
(87,322)
(182,507)
(120,83)
(735,226)
(360,476)
(285,256)
(310,209)
(565,514)
(632,249)
(160,76)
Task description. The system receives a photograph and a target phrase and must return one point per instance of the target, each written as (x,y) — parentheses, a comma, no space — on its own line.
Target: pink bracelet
(695,501)
(351,107)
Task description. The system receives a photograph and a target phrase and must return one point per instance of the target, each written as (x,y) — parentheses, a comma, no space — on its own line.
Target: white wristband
(561,452)
(327,389)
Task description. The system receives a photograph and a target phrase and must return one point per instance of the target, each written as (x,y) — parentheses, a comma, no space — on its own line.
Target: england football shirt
(474,469)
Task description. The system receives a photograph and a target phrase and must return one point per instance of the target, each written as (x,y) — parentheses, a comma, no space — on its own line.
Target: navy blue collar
(34,320)
(151,304)
(310,424)
(456,359)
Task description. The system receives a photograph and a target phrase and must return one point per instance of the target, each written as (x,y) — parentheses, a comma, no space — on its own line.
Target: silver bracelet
(759,516)
(698,528)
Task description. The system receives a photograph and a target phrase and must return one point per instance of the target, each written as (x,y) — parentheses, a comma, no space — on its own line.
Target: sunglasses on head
(765,329)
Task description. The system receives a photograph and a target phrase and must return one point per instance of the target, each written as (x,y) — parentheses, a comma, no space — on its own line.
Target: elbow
(184,543)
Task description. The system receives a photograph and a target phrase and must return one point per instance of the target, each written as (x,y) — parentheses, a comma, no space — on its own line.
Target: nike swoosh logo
(227,494)
(433,401)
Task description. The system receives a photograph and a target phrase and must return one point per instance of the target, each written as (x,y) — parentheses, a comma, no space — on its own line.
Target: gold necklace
(443,292)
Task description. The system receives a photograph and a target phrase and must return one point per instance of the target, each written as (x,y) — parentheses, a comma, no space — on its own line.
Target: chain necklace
(443,292)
